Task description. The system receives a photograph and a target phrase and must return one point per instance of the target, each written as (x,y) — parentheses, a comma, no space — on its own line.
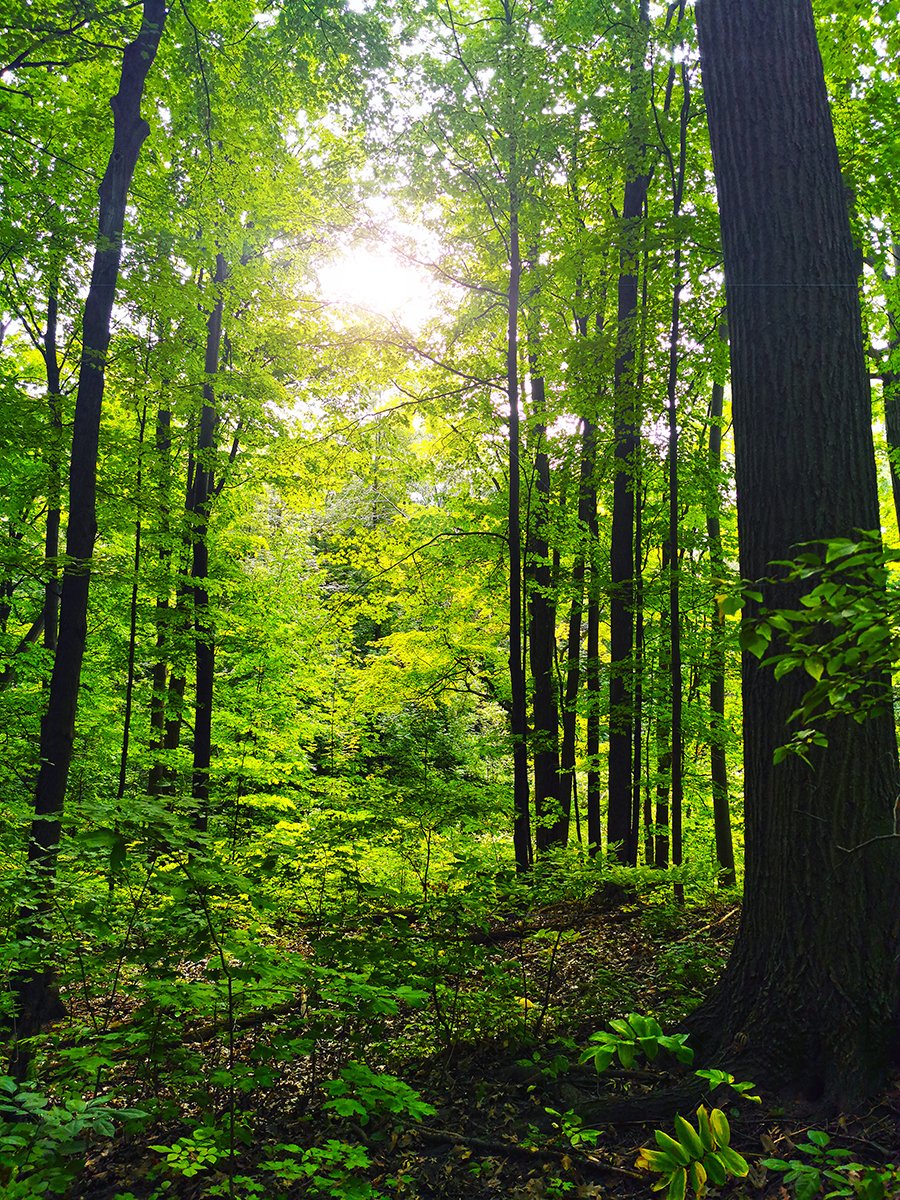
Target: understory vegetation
(448,599)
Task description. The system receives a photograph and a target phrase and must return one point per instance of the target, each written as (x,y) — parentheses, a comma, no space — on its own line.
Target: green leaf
(784,665)
(733,1162)
(625,1050)
(657,1160)
(650,1046)
(697,1177)
(704,1130)
(677,1185)
(839,548)
(715,1169)
(752,641)
(814,666)
(721,1130)
(667,1143)
(808,1183)
(689,1137)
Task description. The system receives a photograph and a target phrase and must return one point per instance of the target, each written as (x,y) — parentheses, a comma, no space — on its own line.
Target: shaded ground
(507,1100)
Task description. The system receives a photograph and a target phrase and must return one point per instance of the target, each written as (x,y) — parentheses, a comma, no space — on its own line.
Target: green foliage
(843,632)
(194,1153)
(744,1088)
(367,1095)
(690,968)
(332,1169)
(570,1128)
(697,1158)
(42,1143)
(345,895)
(630,1037)
(831,1169)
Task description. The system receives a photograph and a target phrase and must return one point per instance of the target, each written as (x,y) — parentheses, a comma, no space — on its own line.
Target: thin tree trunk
(675,686)
(54,469)
(163,610)
(637,727)
(717,764)
(890,390)
(593,695)
(674,551)
(204,648)
(551,820)
(890,383)
(648,801)
(661,839)
(626,425)
(570,687)
(132,614)
(587,522)
(14,536)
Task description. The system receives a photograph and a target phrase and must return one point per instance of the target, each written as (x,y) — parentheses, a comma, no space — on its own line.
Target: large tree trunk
(810,995)
(58,725)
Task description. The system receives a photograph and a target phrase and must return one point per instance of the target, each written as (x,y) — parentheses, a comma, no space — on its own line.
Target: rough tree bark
(810,994)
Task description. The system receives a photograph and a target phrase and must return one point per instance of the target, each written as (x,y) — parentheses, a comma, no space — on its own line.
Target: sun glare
(377,281)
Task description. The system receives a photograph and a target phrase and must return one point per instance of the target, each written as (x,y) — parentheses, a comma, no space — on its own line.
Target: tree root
(646,1109)
(517,1150)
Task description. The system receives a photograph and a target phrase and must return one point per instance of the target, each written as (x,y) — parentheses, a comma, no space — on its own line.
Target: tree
(812,1000)
(627,423)
(58,725)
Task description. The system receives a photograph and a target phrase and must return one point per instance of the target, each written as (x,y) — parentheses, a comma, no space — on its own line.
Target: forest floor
(506,1108)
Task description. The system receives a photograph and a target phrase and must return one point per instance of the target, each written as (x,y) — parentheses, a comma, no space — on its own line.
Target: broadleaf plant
(696,1158)
(628,1037)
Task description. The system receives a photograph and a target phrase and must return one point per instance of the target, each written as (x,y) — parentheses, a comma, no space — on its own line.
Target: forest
(449,599)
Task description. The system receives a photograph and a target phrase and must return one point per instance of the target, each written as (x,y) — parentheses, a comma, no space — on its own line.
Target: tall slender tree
(626,432)
(58,725)
(717,758)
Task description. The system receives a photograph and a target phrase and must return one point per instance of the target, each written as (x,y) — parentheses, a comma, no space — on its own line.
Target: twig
(709,925)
